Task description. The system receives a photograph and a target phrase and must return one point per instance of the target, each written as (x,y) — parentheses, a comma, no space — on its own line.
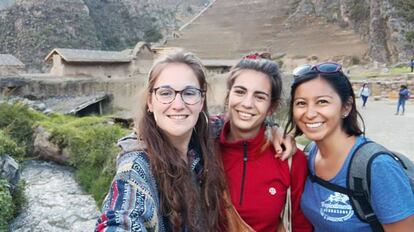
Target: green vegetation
(405,8)
(89,141)
(6,205)
(16,121)
(410,36)
(355,60)
(10,204)
(152,34)
(10,147)
(392,72)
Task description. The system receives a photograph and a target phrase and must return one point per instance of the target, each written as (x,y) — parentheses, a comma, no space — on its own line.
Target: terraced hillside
(232,28)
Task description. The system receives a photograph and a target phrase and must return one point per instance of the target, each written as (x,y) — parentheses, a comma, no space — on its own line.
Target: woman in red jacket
(257,180)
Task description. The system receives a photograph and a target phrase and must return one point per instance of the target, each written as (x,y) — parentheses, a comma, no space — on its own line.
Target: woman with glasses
(258,181)
(176,182)
(323,108)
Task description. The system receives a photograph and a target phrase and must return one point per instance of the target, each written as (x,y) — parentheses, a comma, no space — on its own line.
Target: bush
(6,205)
(8,146)
(410,36)
(10,205)
(17,121)
(152,34)
(91,145)
(355,60)
(90,142)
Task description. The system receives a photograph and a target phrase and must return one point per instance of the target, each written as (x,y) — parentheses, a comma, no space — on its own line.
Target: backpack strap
(359,181)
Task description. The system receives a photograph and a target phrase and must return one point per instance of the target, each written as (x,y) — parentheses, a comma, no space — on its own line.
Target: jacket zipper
(244,171)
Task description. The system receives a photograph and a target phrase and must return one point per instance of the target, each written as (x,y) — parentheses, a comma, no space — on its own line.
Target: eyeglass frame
(314,69)
(202,94)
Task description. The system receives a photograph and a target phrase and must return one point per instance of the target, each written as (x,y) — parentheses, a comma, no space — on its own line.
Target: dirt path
(395,132)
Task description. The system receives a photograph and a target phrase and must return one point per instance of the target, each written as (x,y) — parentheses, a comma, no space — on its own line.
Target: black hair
(342,86)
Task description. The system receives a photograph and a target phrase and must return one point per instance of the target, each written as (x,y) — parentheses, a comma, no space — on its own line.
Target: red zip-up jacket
(258,182)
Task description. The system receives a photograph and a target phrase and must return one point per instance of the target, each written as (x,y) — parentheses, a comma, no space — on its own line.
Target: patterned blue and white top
(133,203)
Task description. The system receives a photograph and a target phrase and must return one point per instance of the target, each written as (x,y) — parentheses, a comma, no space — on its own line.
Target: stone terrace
(229,29)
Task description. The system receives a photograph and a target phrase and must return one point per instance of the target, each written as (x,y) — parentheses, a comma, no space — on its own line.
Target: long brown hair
(181,200)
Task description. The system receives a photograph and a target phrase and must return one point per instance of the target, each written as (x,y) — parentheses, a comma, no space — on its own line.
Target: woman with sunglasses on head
(176,182)
(323,108)
(258,181)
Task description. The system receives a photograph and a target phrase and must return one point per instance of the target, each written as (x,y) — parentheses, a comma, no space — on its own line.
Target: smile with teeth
(313,125)
(178,117)
(245,115)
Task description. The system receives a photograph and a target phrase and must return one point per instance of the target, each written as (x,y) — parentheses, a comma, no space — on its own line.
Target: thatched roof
(93,56)
(9,60)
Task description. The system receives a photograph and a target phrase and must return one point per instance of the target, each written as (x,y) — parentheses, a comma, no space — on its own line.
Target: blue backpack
(359,179)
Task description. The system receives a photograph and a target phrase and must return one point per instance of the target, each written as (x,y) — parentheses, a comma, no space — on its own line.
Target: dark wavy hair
(343,87)
(182,201)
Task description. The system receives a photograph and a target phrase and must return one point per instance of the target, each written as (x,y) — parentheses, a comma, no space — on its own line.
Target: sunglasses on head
(324,68)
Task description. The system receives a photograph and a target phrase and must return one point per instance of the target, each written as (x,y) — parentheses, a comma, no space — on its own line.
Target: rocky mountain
(29,29)
(387,25)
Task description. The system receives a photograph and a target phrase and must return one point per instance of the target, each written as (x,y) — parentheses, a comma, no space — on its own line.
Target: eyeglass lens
(167,95)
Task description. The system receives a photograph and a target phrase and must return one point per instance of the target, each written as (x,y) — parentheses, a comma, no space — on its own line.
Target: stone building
(10,65)
(102,64)
(217,66)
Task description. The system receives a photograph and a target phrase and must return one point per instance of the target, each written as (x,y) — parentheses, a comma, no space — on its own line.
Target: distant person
(364,93)
(412,65)
(403,95)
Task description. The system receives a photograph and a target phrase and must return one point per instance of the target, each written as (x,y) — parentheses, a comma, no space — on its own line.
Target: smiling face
(249,103)
(318,110)
(177,119)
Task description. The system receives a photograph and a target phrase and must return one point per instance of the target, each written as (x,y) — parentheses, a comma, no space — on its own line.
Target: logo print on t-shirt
(336,208)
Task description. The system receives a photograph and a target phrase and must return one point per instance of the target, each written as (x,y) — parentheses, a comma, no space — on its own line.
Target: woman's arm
(405,225)
(391,195)
(285,145)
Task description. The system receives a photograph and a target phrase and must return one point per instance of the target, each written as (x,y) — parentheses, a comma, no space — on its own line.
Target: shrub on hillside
(410,36)
(405,8)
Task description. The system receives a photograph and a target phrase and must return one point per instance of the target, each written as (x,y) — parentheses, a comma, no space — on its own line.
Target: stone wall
(385,87)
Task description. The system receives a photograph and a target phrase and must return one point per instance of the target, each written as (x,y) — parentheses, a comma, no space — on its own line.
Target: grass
(392,72)
(89,141)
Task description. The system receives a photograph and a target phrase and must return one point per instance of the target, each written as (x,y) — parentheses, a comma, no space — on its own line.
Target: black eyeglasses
(307,69)
(189,95)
